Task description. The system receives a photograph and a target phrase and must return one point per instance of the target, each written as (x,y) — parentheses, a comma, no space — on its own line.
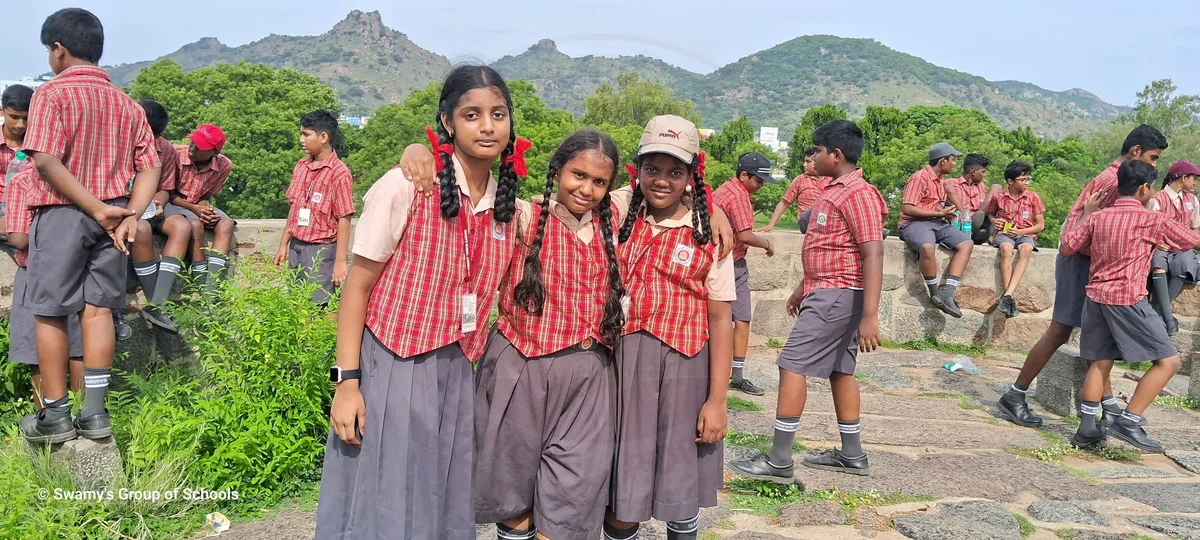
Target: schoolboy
(733,198)
(836,308)
(804,191)
(1018,215)
(203,170)
(1172,269)
(924,225)
(969,193)
(15,102)
(1144,143)
(87,139)
(1118,322)
(321,195)
(157,276)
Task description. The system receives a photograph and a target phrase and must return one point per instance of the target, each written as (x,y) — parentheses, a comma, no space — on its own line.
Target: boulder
(978,520)
(812,513)
(1059,383)
(93,463)
(1067,512)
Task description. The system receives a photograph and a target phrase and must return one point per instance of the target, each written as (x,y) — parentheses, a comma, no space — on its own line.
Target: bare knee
(177,226)
(1006,251)
(1058,334)
(197,228)
(143,234)
(224,228)
(965,247)
(928,251)
(1171,364)
(1025,250)
(92,312)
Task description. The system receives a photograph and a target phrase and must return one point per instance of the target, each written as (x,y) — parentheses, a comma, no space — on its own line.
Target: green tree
(1158,106)
(802,138)
(723,146)
(881,125)
(635,102)
(258,107)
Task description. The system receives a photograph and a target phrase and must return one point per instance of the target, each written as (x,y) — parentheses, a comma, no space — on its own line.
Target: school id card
(304,217)
(470,312)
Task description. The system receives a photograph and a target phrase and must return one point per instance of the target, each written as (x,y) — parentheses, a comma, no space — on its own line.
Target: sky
(1110,48)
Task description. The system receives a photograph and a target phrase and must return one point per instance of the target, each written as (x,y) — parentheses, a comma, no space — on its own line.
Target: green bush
(16,388)
(250,415)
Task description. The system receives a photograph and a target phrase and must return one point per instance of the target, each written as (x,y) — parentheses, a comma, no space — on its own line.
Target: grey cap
(941,150)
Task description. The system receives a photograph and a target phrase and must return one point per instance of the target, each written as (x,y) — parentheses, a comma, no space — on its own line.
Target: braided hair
(701,230)
(461,80)
(530,293)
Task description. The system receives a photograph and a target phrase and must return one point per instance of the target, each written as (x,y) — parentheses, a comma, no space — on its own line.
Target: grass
(1178,402)
(1071,420)
(1139,366)
(786,222)
(775,343)
(859,376)
(930,344)
(735,403)
(765,498)
(1027,528)
(1065,534)
(1060,448)
(964,401)
(709,535)
(762,443)
(726,524)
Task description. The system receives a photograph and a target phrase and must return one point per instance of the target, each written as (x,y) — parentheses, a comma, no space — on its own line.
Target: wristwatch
(337,374)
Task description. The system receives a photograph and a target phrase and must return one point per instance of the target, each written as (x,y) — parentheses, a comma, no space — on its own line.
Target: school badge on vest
(683,255)
(1025,214)
(498,231)
(822,219)
(317,198)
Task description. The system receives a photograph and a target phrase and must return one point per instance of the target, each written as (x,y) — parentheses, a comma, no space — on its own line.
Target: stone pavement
(943,466)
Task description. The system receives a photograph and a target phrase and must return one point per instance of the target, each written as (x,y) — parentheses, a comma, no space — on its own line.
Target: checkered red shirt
(925,189)
(733,199)
(1121,240)
(169,177)
(970,193)
(416,306)
(665,278)
(197,183)
(850,212)
(1105,184)
(805,190)
(575,277)
(326,189)
(7,154)
(98,132)
(18,214)
(1182,213)
(1021,211)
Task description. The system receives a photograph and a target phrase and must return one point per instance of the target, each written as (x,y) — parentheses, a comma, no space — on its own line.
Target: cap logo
(670,133)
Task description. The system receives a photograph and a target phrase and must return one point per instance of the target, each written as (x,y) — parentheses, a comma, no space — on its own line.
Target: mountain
(775,86)
(369,65)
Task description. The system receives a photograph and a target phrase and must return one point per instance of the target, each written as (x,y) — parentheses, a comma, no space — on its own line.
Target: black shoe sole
(1013,418)
(93,434)
(838,468)
(747,392)
(1135,444)
(944,308)
(168,328)
(763,477)
(1087,445)
(57,438)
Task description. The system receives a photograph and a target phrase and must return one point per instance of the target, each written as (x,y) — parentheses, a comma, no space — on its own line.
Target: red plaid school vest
(665,278)
(1183,214)
(416,306)
(575,277)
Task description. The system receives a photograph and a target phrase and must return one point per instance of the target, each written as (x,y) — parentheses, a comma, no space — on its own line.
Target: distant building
(32,82)
(355,121)
(705,133)
(770,137)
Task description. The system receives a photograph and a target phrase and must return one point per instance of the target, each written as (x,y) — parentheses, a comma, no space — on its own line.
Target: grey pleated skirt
(411,478)
(660,470)
(544,438)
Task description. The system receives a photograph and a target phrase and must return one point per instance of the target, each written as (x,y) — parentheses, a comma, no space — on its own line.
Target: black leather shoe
(40,431)
(760,468)
(1008,306)
(1108,419)
(1133,434)
(834,460)
(1088,441)
(122,328)
(746,387)
(96,426)
(159,318)
(944,300)
(1017,411)
(1172,326)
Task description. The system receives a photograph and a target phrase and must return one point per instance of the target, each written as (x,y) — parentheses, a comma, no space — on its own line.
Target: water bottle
(966,222)
(15,166)
(962,363)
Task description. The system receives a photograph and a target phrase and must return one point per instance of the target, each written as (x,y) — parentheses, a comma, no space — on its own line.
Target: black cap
(757,165)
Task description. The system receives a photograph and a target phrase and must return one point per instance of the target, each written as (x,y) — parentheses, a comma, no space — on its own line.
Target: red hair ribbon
(700,167)
(517,159)
(632,171)
(438,148)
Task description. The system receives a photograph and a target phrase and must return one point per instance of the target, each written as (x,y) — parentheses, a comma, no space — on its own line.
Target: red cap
(208,137)
(1183,168)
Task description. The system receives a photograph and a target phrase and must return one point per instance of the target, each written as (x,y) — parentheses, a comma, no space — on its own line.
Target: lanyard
(466,225)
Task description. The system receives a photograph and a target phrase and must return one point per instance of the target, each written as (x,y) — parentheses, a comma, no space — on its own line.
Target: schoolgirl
(673,361)
(1170,270)
(425,272)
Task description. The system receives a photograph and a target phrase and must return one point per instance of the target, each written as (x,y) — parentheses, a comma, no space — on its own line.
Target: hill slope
(367,63)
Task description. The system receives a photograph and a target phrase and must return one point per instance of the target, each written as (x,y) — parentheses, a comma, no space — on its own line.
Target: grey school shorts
(314,262)
(172,210)
(1181,264)
(824,339)
(1070,277)
(1130,333)
(1015,241)
(741,280)
(22,343)
(73,262)
(935,231)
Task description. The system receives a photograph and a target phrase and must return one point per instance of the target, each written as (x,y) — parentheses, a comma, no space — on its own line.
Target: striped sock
(56,408)
(1111,406)
(95,382)
(1087,415)
(739,363)
(952,282)
(931,283)
(199,267)
(216,263)
(147,275)
(504,532)
(1130,417)
(1015,391)
(684,529)
(780,454)
(851,433)
(168,269)
(613,533)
